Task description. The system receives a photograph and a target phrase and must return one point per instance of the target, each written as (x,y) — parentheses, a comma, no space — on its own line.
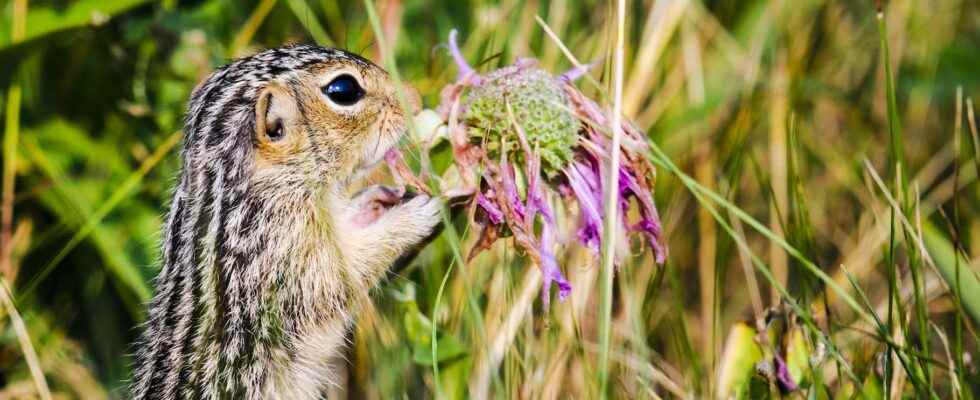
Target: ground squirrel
(265,254)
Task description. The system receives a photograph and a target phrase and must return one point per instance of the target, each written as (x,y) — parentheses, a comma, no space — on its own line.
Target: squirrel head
(296,119)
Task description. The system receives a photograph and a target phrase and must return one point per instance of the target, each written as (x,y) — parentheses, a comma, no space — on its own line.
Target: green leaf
(43,21)
(797,355)
(419,330)
(737,365)
(756,389)
(945,257)
(449,349)
(870,390)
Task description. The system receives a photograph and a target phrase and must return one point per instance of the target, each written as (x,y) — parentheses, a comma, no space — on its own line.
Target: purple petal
(493,212)
(650,220)
(783,377)
(591,171)
(564,190)
(627,188)
(523,63)
(535,193)
(510,188)
(574,74)
(650,226)
(549,268)
(588,235)
(465,71)
(589,205)
(627,184)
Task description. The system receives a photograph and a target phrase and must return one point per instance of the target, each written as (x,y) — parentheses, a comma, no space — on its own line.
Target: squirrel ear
(273,110)
(262,112)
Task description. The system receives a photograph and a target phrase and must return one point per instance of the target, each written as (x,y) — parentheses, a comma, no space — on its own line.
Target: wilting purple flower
(543,114)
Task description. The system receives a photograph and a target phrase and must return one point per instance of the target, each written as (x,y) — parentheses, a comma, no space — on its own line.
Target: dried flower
(513,124)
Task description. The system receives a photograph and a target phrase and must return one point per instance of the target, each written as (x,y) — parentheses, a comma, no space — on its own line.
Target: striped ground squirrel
(265,253)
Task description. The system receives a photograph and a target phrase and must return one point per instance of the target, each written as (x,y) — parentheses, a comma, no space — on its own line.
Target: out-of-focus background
(776,115)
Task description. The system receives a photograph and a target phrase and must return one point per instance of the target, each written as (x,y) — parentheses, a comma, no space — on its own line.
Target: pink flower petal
(493,212)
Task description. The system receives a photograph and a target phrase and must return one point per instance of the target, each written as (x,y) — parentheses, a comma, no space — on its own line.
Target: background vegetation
(812,184)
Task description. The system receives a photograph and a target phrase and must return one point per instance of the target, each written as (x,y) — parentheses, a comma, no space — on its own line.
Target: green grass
(817,179)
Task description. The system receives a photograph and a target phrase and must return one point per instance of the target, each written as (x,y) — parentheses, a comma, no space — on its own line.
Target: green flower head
(540,107)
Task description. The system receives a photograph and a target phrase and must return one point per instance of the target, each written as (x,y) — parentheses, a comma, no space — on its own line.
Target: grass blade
(25,343)
(308,19)
(252,25)
(610,216)
(10,133)
(945,256)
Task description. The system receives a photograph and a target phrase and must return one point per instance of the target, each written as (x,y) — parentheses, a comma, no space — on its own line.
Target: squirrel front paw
(411,215)
(373,202)
(385,225)
(416,218)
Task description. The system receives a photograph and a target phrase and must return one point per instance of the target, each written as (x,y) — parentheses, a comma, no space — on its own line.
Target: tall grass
(817,179)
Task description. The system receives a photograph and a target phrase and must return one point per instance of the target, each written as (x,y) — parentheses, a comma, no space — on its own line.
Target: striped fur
(256,289)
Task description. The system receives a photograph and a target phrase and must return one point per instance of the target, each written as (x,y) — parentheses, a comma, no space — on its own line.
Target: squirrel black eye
(344,90)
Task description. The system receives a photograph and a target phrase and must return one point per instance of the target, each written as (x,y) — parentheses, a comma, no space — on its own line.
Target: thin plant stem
(11,131)
(33,363)
(308,19)
(895,158)
(251,26)
(568,53)
(611,204)
(971,120)
(10,136)
(957,374)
